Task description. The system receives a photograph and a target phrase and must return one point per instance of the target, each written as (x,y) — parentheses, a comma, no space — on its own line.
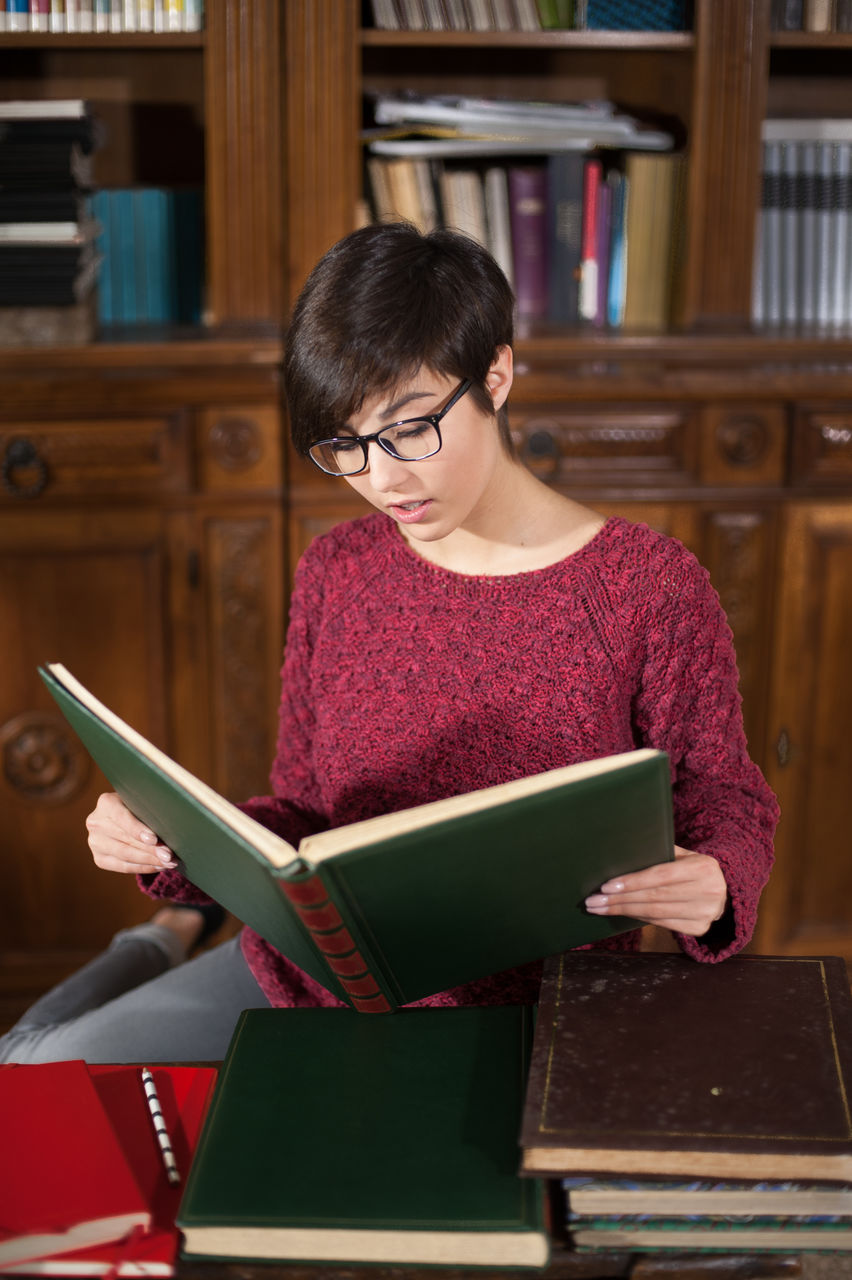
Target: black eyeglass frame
(433,419)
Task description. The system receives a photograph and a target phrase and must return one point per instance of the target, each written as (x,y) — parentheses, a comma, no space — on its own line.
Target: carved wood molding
(42,760)
(239,554)
(245,203)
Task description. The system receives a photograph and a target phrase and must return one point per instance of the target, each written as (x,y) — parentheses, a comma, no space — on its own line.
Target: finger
(127,866)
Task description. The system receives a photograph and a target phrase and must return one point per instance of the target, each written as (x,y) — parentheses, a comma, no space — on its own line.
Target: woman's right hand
(120,842)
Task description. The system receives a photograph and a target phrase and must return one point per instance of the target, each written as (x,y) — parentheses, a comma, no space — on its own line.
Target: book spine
(589,265)
(565,227)
(528,213)
(309,899)
(807,201)
(789,218)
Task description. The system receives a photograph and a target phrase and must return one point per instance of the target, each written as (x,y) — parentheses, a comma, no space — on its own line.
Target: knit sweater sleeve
(292,811)
(687,703)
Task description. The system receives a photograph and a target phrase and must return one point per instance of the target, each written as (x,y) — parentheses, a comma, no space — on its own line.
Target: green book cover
(386,911)
(337,1138)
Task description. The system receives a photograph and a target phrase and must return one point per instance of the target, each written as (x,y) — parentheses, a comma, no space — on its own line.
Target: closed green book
(389,910)
(336,1138)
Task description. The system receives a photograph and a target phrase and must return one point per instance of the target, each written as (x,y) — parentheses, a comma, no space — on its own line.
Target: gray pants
(136,1002)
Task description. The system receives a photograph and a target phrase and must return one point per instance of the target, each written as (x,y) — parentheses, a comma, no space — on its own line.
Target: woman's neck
(525,526)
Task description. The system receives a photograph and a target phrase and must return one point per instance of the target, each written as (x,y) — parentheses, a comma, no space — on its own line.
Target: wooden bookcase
(156,561)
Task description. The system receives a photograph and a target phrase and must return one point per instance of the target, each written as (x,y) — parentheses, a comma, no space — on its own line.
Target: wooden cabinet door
(89,588)
(807,906)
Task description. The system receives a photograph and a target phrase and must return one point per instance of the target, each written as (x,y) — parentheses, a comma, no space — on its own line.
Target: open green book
(389,910)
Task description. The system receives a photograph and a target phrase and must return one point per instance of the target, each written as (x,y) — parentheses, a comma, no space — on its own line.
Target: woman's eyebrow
(398,405)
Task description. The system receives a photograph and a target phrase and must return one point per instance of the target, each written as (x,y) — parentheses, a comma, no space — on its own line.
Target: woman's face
(457,487)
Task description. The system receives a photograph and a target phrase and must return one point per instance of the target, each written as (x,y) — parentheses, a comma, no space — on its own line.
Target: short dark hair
(382,303)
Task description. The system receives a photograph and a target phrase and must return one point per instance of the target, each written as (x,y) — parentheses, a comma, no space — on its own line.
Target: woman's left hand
(685,896)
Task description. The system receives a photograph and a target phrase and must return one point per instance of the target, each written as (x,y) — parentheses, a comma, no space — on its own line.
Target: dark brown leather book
(653,1064)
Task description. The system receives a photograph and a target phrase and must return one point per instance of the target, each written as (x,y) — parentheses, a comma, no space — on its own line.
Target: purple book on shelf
(604,234)
(528,216)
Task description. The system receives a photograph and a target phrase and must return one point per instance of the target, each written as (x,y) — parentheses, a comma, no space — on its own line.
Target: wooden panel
(244,145)
(743,444)
(822,445)
(240,448)
(243,588)
(724,161)
(808,905)
(323,115)
(116,455)
(608,445)
(738,550)
(86,589)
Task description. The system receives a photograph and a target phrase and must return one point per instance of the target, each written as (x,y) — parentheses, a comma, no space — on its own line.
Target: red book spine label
(330,935)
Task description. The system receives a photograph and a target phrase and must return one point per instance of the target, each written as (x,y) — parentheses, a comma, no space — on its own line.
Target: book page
(326,844)
(273,847)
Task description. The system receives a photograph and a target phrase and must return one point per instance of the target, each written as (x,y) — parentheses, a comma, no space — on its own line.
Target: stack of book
(151,247)
(531,15)
(101,16)
(695,1107)
(558,193)
(705,1213)
(48,260)
(803,254)
(84,1187)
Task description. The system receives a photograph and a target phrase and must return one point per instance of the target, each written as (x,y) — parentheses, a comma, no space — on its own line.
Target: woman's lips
(410,512)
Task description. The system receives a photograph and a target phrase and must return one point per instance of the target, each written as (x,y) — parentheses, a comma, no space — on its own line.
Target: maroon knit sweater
(404,682)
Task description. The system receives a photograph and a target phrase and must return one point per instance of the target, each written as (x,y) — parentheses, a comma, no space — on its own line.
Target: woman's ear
(498,379)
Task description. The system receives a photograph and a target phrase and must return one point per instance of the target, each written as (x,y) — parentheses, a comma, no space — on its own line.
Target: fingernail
(165,855)
(596,900)
(612,886)
(147,837)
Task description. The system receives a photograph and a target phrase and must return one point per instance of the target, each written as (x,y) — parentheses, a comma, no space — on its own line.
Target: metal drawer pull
(21,456)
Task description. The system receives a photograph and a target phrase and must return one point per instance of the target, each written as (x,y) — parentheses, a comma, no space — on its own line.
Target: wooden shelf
(608,40)
(810,40)
(103,40)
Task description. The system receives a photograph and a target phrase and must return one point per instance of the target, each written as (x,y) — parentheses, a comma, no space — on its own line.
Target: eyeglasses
(410,440)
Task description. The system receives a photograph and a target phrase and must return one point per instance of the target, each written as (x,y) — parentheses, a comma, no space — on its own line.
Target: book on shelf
(786,15)
(529,15)
(101,17)
(364,909)
(590,1197)
(591,243)
(802,277)
(151,255)
(101,1147)
(398,1145)
(735,1070)
(527,186)
(651,229)
(443,124)
(565,179)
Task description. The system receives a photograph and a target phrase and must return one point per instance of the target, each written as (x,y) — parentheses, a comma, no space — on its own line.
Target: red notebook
(148,1249)
(64,1180)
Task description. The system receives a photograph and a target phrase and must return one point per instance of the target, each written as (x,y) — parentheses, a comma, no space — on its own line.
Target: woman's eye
(412,430)
(345,446)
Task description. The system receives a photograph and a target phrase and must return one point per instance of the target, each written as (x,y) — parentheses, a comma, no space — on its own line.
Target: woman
(477,627)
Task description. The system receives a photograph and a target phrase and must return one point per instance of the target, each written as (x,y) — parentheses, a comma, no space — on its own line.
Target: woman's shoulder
(650,560)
